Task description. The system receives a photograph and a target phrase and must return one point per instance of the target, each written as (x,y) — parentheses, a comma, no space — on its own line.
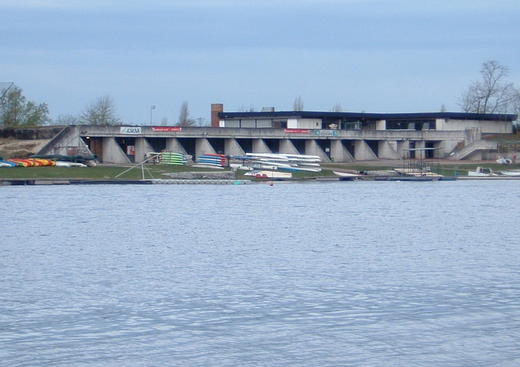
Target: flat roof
(371,116)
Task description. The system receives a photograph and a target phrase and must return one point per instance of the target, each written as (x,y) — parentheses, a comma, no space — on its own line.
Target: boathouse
(334,136)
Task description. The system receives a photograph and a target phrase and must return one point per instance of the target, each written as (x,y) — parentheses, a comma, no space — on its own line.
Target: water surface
(339,274)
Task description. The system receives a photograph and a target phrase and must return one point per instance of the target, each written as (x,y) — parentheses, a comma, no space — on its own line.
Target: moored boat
(511,173)
(482,172)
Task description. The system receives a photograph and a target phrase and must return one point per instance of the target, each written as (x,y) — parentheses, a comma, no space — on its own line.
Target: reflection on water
(362,274)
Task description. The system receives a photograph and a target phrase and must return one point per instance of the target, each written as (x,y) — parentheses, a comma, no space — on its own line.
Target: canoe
(345,174)
(269,174)
(8,164)
(69,164)
(23,162)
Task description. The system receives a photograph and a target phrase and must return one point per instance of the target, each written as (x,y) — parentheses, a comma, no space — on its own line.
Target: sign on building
(130,130)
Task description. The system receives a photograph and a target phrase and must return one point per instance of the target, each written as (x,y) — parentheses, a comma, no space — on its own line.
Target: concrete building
(334,136)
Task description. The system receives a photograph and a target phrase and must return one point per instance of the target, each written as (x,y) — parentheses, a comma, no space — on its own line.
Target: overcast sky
(367,55)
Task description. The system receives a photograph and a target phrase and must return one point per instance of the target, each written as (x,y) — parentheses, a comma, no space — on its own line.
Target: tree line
(492,93)
(17,111)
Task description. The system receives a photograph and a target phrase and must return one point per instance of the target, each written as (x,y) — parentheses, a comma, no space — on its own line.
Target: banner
(298,131)
(130,130)
(164,129)
(325,132)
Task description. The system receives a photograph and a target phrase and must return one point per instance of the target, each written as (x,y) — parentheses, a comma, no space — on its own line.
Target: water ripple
(360,274)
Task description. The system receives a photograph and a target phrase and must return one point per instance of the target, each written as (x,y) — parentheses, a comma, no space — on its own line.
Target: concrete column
(339,153)
(439,124)
(142,146)
(446,147)
(420,144)
(231,147)
(173,145)
(402,149)
(472,135)
(363,152)
(203,146)
(312,148)
(259,146)
(381,125)
(387,149)
(438,152)
(112,152)
(287,147)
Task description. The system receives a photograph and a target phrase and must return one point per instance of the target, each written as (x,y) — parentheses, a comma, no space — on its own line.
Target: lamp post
(152,107)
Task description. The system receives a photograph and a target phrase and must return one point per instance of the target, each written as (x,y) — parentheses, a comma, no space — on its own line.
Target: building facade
(334,136)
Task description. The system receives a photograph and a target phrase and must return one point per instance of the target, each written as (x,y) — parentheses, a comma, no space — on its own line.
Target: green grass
(161,171)
(451,169)
(95,173)
(462,170)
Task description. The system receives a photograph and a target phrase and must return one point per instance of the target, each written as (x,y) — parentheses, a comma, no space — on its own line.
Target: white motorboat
(511,173)
(346,174)
(482,172)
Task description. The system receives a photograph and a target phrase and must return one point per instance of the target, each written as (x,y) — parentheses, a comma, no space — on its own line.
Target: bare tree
(298,104)
(100,112)
(66,120)
(184,116)
(201,121)
(443,108)
(493,93)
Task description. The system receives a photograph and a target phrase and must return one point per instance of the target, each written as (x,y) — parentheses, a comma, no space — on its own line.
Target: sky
(366,55)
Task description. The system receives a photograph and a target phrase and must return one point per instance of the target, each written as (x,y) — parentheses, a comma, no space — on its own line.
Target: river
(329,274)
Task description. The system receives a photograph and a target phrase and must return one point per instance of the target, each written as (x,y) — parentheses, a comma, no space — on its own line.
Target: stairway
(473,147)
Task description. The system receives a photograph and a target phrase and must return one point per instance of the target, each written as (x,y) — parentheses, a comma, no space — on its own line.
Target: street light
(152,107)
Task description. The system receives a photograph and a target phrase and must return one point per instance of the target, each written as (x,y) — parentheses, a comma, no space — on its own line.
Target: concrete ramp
(287,147)
(339,152)
(65,141)
(259,146)
(231,147)
(312,148)
(173,145)
(112,152)
(203,146)
(363,152)
(142,146)
(388,150)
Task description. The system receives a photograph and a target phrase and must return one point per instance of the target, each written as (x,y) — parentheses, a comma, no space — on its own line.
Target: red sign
(164,129)
(298,131)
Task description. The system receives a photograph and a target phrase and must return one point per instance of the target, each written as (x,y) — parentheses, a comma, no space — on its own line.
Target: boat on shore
(511,173)
(482,172)
(415,172)
(346,174)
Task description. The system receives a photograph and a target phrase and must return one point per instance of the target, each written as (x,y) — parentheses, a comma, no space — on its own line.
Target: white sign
(130,130)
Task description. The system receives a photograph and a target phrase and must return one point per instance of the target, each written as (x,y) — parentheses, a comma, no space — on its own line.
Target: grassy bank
(110,172)
(446,168)
(103,172)
(95,173)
